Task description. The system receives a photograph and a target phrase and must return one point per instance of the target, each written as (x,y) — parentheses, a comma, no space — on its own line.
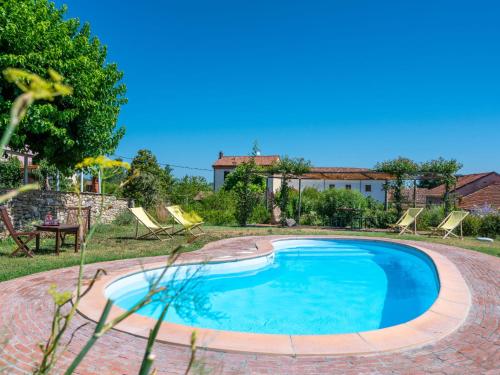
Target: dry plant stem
(60,322)
(103,327)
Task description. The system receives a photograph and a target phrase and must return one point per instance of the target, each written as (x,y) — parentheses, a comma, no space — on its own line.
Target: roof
(487,195)
(344,173)
(233,161)
(337,169)
(461,181)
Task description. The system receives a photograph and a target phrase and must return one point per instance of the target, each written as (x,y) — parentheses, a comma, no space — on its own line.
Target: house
(370,183)
(472,190)
(226,164)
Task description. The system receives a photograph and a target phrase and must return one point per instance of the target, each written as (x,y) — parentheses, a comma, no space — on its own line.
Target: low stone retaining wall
(32,206)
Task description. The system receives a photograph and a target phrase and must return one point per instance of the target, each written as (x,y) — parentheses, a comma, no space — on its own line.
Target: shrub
(379,218)
(430,217)
(311,218)
(334,202)
(471,225)
(124,218)
(260,215)
(292,207)
(490,225)
(248,185)
(216,209)
(309,201)
(10,173)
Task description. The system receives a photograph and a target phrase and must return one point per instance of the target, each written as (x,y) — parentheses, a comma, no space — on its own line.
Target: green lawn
(113,242)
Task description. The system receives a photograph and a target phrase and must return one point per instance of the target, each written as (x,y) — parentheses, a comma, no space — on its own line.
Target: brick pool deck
(472,349)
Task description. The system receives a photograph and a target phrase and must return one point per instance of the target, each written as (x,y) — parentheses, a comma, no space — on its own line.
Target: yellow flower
(38,87)
(59,298)
(102,162)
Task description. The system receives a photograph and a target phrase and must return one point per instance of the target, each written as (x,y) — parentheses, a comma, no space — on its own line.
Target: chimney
(221,154)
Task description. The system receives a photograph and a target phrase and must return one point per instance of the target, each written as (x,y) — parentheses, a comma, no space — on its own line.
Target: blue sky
(341,83)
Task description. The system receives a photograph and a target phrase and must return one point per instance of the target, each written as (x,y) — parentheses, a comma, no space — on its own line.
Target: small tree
(10,173)
(150,183)
(288,168)
(443,171)
(184,190)
(248,184)
(401,169)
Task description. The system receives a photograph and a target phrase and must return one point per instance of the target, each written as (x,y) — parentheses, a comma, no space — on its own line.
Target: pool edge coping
(447,314)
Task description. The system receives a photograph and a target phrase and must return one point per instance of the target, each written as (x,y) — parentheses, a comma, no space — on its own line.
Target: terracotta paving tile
(474,348)
(328,344)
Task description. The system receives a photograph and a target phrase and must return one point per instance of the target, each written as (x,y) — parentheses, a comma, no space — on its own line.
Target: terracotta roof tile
(461,181)
(233,161)
(487,195)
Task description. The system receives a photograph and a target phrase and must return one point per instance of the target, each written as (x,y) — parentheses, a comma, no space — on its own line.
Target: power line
(170,165)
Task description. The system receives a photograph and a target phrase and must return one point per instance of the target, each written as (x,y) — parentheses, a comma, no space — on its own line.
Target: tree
(248,183)
(35,36)
(10,173)
(428,183)
(443,171)
(401,169)
(46,174)
(149,182)
(187,188)
(287,168)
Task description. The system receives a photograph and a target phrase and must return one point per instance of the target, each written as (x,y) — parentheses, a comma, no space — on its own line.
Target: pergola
(340,175)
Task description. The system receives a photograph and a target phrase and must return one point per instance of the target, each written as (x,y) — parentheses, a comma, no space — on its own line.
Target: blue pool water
(307,287)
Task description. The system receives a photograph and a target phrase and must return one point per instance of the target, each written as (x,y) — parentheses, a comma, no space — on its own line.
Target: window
(332,186)
(348,187)
(368,188)
(225,174)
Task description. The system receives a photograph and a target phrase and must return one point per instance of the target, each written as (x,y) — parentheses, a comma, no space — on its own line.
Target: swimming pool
(306,287)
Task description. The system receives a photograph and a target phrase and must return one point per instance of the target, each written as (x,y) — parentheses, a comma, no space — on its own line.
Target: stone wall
(32,206)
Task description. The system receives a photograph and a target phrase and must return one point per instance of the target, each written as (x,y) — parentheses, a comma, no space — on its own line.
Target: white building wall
(377,191)
(274,184)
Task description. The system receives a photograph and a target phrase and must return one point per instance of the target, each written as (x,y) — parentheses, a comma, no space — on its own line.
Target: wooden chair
(22,244)
(72,218)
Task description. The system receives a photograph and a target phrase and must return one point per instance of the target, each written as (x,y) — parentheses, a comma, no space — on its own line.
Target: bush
(309,202)
(124,218)
(379,218)
(260,215)
(10,173)
(334,203)
(490,225)
(216,209)
(471,225)
(311,218)
(430,217)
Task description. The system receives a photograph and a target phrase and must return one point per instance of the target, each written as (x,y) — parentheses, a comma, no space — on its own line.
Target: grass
(113,242)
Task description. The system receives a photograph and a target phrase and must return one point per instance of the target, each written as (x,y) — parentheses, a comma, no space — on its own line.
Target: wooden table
(58,230)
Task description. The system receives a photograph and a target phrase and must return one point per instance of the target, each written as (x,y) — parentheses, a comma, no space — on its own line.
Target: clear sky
(338,82)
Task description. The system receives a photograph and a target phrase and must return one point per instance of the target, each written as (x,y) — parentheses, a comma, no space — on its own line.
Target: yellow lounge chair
(189,222)
(408,218)
(154,228)
(450,222)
